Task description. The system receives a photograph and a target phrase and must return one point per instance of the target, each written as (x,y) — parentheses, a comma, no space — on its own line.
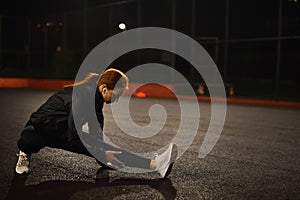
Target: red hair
(111,78)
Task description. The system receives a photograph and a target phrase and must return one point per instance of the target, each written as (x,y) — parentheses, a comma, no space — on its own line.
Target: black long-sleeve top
(56,116)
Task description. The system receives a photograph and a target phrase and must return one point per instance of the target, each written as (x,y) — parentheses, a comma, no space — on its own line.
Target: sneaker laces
(24,159)
(155,156)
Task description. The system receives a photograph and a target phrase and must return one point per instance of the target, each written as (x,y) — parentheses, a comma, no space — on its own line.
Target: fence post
(139,24)
(278,50)
(28,48)
(46,45)
(217,51)
(193,28)
(85,31)
(1,67)
(226,39)
(65,32)
(173,61)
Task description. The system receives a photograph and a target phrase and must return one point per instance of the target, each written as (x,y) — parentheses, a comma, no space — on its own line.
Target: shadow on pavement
(101,189)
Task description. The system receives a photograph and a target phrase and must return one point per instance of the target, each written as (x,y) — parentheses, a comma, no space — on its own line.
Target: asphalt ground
(256,157)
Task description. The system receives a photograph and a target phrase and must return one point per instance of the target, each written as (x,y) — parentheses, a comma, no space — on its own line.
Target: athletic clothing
(53,125)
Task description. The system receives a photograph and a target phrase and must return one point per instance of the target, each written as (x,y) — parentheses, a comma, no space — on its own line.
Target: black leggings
(32,141)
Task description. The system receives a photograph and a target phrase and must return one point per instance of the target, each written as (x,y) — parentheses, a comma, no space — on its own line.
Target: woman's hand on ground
(112,160)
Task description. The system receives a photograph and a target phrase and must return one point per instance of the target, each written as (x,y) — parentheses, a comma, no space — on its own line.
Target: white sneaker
(165,161)
(22,166)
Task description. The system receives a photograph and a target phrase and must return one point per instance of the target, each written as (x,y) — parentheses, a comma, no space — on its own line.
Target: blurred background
(255,44)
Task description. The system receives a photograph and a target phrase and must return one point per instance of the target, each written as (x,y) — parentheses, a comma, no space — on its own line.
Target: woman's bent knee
(30,141)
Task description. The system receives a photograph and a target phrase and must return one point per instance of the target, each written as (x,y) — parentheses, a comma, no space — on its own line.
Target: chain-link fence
(255,44)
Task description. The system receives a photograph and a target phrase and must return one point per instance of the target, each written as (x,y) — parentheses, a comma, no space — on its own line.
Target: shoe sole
(172,160)
(22,173)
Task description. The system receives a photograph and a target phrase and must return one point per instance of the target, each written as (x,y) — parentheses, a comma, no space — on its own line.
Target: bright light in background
(122,26)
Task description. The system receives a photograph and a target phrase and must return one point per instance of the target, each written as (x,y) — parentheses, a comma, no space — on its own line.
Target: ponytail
(88,79)
(110,77)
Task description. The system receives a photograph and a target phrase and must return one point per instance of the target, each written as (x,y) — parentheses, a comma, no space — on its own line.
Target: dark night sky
(39,7)
(244,14)
(247,19)
(46,7)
